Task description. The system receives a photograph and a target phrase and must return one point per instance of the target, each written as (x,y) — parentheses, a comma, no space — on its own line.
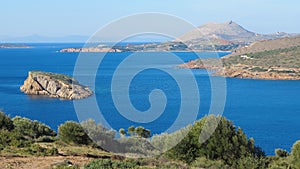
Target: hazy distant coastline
(14,46)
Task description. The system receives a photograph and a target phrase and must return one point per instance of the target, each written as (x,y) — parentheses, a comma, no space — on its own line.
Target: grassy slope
(284,58)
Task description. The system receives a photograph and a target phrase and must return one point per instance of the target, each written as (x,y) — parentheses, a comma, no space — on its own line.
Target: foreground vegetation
(228,147)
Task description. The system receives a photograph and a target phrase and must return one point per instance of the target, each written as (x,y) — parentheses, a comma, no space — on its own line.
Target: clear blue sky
(84,17)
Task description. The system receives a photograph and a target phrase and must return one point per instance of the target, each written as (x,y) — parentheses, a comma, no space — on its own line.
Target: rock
(54,85)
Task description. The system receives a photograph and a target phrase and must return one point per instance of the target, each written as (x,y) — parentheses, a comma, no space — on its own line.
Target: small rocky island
(54,85)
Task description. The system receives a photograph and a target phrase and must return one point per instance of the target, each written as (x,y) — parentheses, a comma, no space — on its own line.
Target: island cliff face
(54,85)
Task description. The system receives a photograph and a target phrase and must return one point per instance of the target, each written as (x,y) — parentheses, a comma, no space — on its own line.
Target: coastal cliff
(54,85)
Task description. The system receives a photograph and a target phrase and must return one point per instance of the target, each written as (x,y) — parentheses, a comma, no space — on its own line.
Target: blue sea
(268,111)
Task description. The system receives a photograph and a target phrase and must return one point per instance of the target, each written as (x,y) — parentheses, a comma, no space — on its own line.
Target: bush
(226,143)
(142,132)
(279,163)
(5,122)
(46,139)
(109,164)
(37,150)
(131,130)
(296,154)
(136,145)
(12,138)
(202,162)
(281,153)
(250,163)
(72,133)
(31,129)
(100,135)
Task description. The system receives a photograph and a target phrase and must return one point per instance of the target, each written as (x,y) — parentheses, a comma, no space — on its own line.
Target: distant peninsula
(91,49)
(54,85)
(4,45)
(277,59)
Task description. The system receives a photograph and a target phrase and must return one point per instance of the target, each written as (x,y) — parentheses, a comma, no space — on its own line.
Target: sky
(56,18)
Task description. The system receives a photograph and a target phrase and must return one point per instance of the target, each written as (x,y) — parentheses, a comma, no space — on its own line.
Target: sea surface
(268,111)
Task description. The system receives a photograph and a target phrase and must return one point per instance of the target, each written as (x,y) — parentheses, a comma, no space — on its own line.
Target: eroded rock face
(54,85)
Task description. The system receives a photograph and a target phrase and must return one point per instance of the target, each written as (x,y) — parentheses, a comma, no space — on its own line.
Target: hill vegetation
(228,147)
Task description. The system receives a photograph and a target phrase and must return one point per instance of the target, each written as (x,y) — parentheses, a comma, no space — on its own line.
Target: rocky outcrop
(54,85)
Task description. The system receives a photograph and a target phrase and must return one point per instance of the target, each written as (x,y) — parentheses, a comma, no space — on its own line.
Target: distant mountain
(227,36)
(226,33)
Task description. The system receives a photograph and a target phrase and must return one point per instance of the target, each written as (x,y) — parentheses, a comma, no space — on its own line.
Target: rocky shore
(54,85)
(246,71)
(269,59)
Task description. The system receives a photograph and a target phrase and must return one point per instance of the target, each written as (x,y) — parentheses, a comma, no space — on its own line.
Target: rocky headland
(277,59)
(54,85)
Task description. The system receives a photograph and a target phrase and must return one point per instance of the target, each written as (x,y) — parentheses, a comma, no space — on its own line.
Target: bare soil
(41,162)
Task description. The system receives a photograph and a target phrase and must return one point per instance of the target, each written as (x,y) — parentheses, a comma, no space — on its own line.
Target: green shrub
(279,163)
(109,164)
(5,122)
(122,132)
(100,135)
(202,162)
(281,153)
(142,132)
(136,145)
(296,154)
(226,143)
(12,138)
(72,133)
(131,130)
(37,150)
(46,139)
(250,163)
(31,129)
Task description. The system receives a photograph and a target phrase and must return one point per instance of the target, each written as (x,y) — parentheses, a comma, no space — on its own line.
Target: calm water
(268,111)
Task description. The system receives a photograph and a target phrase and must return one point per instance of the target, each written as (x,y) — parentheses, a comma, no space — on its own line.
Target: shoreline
(110,50)
(243,72)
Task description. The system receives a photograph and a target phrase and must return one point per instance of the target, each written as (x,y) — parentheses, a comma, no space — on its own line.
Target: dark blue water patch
(267,110)
(140,88)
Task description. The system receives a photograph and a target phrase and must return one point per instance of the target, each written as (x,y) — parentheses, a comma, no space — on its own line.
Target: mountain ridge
(228,31)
